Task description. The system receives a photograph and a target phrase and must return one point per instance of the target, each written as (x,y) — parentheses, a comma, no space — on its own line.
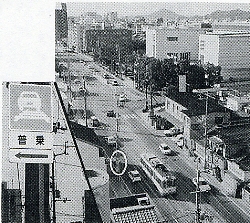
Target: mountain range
(217,15)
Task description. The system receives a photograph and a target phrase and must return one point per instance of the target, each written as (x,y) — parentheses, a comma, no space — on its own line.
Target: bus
(162,177)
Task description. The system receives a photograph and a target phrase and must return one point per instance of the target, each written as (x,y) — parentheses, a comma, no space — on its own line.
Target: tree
(213,74)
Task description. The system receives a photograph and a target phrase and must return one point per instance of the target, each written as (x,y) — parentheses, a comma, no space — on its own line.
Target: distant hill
(231,15)
(165,14)
(225,15)
(217,15)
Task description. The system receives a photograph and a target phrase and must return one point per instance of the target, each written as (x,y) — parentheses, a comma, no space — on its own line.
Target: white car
(173,131)
(203,185)
(111,140)
(164,148)
(114,83)
(134,176)
(179,140)
(122,98)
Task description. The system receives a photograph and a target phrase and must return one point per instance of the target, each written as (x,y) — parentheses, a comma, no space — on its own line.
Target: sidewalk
(184,155)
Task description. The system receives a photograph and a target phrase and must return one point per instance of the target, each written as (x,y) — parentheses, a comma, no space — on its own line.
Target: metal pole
(198,209)
(206,114)
(53,192)
(85,102)
(151,98)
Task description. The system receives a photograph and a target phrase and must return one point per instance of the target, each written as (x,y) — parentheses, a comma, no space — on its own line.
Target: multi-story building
(228,49)
(134,208)
(225,146)
(61,23)
(181,43)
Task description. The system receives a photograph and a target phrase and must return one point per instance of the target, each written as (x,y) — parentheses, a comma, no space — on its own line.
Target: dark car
(111,113)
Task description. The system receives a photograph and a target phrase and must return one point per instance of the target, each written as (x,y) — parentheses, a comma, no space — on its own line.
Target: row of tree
(157,74)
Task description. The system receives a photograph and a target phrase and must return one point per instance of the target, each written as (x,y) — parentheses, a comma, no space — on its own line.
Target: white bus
(162,177)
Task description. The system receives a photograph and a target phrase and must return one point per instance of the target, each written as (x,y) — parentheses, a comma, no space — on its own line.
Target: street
(136,138)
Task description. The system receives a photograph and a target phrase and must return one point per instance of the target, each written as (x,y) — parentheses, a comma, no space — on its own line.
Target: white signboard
(30,107)
(30,156)
(35,140)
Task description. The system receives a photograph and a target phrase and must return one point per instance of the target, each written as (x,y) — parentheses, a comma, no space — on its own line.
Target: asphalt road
(134,139)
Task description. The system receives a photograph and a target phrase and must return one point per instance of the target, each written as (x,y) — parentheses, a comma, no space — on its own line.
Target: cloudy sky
(145,7)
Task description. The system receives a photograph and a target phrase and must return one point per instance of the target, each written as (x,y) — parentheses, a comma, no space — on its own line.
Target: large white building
(228,49)
(181,43)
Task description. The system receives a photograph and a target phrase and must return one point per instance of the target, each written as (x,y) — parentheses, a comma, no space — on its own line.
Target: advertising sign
(30,107)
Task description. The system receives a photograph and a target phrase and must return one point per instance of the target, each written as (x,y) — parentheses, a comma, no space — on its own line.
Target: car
(111,140)
(95,121)
(106,76)
(164,148)
(134,176)
(174,131)
(111,113)
(122,98)
(114,82)
(203,185)
(179,140)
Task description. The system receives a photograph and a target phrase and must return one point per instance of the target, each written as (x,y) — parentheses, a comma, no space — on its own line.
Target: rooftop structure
(194,106)
(135,208)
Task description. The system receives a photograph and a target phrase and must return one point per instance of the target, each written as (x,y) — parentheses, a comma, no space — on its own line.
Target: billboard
(30,107)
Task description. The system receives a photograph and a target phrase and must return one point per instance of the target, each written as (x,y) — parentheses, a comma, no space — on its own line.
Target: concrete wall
(227,51)
(234,51)
(209,48)
(150,42)
(187,42)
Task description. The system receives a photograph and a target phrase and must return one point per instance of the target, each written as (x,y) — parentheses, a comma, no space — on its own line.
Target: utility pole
(53,192)
(206,92)
(198,197)
(206,138)
(85,101)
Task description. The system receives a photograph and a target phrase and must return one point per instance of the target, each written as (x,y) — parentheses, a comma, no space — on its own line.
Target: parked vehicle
(165,149)
(122,98)
(134,176)
(95,121)
(111,113)
(173,131)
(114,83)
(111,140)
(179,140)
(106,76)
(203,185)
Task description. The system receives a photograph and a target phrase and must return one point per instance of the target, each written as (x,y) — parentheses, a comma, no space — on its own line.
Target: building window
(172,38)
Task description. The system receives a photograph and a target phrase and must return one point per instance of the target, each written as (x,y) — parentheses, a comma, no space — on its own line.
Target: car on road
(106,76)
(203,185)
(134,176)
(111,113)
(179,140)
(111,140)
(95,121)
(174,131)
(122,98)
(114,82)
(165,149)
